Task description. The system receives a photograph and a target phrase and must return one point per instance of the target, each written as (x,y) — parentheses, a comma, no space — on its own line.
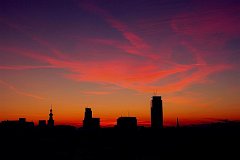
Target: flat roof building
(42,123)
(127,122)
(21,123)
(156,112)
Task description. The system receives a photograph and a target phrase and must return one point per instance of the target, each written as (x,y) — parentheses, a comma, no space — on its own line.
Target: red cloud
(128,73)
(132,73)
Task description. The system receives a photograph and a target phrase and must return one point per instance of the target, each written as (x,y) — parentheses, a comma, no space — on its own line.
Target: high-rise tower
(88,114)
(156,112)
(89,122)
(51,121)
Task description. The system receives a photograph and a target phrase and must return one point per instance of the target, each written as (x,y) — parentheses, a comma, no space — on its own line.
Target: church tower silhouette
(50,120)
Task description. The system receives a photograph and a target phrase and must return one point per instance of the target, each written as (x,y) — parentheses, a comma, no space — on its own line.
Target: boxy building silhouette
(89,122)
(21,123)
(156,112)
(42,123)
(127,123)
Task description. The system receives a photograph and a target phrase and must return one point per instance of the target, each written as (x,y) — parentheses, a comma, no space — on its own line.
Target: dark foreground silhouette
(215,141)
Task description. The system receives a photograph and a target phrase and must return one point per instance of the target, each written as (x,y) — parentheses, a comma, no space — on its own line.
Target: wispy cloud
(140,74)
(22,67)
(138,45)
(208,28)
(18,91)
(96,92)
(131,74)
(25,30)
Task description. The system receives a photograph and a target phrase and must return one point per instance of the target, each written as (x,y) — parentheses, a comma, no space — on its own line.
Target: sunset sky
(114,55)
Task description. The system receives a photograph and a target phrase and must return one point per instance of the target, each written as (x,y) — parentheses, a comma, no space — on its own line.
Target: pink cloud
(197,77)
(138,45)
(20,92)
(132,73)
(128,48)
(208,28)
(22,67)
(25,30)
(208,33)
(46,44)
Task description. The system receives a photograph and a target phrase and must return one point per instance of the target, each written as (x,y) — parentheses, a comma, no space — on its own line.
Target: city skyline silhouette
(113,56)
(119,79)
(156,111)
(90,122)
(126,140)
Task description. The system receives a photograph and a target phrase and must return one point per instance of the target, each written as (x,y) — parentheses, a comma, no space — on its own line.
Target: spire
(177,123)
(155,92)
(51,121)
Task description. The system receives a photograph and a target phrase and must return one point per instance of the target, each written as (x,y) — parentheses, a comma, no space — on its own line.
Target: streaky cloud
(138,45)
(130,74)
(20,92)
(22,67)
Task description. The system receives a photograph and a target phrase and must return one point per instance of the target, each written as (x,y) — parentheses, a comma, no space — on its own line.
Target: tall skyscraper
(156,112)
(51,121)
(89,122)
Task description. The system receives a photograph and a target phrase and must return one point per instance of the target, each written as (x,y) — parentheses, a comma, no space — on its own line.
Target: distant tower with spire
(51,121)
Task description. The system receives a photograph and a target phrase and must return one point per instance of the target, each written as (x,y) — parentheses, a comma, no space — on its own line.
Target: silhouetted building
(127,122)
(42,123)
(90,122)
(51,121)
(10,124)
(20,123)
(22,120)
(156,112)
